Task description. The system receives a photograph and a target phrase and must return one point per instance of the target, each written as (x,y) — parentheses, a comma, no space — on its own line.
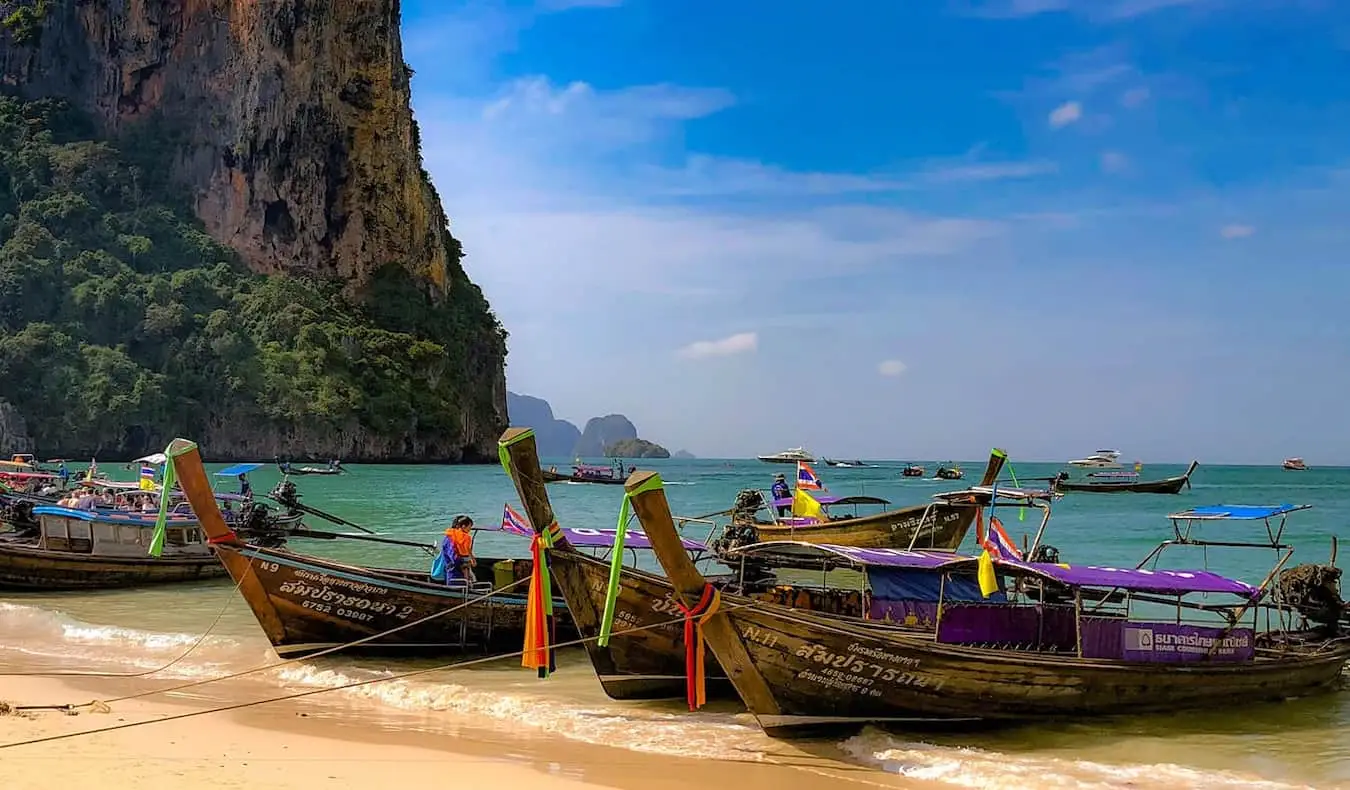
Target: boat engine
(748,502)
(1045,553)
(286,494)
(19,514)
(258,526)
(1314,591)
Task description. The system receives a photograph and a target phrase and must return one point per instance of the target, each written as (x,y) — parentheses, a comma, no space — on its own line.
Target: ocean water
(1292,744)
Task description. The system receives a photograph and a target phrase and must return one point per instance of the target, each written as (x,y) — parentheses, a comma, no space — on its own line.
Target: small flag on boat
(514,522)
(988,580)
(805,505)
(998,543)
(147,477)
(807,477)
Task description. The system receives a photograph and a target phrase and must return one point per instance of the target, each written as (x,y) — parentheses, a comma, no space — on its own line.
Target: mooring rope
(301,694)
(231,600)
(281,663)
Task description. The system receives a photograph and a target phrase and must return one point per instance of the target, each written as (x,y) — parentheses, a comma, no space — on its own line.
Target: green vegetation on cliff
(636,448)
(122,323)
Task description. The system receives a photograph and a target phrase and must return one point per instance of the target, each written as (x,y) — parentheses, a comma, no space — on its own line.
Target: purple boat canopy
(585,537)
(893,558)
(1172,582)
(831,499)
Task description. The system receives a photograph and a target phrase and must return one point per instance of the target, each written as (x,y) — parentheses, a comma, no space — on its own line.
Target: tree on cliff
(123,323)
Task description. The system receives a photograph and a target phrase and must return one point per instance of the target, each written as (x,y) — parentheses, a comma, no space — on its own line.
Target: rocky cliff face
(556,438)
(601,432)
(290,129)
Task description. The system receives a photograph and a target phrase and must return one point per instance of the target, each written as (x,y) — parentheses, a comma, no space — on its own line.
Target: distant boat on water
(1295,465)
(788,457)
(1101,459)
(848,464)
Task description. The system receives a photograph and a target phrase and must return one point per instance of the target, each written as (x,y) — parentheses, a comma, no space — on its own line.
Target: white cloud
(1114,162)
(1135,97)
(742,343)
(891,367)
(1065,114)
(1236,231)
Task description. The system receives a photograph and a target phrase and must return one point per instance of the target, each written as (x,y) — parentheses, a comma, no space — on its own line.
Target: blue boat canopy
(1236,512)
(238,469)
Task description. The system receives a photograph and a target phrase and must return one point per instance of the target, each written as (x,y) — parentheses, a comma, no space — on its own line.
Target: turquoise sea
(1296,743)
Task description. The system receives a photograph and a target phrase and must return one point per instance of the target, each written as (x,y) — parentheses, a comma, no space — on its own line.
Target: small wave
(971,767)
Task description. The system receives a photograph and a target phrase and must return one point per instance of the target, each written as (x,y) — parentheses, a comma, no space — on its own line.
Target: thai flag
(147,472)
(998,543)
(514,522)
(807,477)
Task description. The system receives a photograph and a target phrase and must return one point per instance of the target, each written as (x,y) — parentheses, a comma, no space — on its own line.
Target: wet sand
(307,743)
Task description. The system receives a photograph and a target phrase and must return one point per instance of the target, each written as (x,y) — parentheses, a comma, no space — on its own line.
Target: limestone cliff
(287,124)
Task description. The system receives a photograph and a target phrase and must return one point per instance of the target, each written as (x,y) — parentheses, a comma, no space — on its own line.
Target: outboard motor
(286,494)
(1314,591)
(748,502)
(1045,553)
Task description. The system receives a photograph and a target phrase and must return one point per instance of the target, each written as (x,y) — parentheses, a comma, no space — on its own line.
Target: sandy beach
(304,744)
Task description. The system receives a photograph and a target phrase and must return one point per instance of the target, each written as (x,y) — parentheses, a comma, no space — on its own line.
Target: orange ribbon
(694,618)
(539,623)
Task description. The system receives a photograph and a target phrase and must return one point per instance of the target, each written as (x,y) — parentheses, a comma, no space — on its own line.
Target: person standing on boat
(779,491)
(456,555)
(245,489)
(64,473)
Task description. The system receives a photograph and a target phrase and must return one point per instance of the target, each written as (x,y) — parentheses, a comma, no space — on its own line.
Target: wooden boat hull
(31,568)
(306,604)
(823,672)
(645,664)
(938,526)
(558,477)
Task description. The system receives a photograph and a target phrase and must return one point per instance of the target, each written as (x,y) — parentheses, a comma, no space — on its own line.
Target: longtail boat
(993,660)
(936,525)
(589,473)
(70,549)
(1125,482)
(305,604)
(646,660)
(333,468)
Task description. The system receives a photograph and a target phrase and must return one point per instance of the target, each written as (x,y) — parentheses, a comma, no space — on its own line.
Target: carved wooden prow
(523,459)
(991,472)
(191,475)
(653,512)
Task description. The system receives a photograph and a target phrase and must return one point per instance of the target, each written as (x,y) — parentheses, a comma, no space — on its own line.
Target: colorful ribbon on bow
(652,483)
(539,622)
(696,681)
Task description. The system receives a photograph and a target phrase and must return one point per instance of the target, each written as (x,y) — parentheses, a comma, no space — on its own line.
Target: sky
(909,228)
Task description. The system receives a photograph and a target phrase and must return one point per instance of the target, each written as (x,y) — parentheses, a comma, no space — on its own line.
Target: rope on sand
(300,694)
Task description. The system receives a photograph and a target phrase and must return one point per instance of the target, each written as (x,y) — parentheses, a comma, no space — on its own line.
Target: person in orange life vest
(455,557)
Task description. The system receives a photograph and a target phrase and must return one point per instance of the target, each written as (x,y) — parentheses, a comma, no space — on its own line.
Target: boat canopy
(238,469)
(1237,512)
(157,459)
(127,517)
(1172,582)
(830,499)
(800,550)
(585,537)
(1011,494)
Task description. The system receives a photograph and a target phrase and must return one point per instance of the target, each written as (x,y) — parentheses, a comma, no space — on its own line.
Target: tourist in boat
(456,555)
(780,490)
(245,490)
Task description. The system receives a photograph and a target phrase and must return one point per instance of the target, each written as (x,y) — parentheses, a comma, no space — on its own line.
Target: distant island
(557,438)
(683,455)
(636,448)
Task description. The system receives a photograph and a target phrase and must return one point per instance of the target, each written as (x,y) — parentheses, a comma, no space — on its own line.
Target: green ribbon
(504,452)
(1021,511)
(652,483)
(171,452)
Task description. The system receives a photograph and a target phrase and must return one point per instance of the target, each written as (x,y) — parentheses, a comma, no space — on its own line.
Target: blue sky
(909,228)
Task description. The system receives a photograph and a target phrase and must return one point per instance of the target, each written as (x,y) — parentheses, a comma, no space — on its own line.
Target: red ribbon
(694,618)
